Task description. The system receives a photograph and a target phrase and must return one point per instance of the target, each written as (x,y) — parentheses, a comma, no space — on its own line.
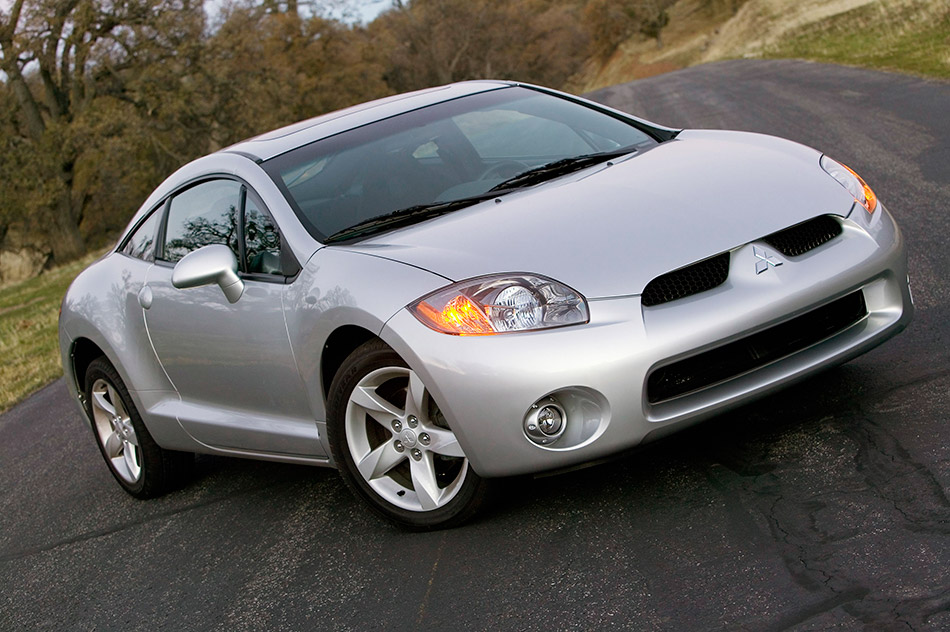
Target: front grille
(693,279)
(709,273)
(800,238)
(757,350)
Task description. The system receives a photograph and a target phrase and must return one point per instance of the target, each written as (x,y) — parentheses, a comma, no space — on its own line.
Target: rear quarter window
(141,244)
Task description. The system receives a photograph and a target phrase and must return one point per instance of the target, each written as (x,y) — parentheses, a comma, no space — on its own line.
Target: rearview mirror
(207,265)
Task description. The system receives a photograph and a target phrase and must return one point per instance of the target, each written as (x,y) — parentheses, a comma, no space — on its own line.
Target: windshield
(448,152)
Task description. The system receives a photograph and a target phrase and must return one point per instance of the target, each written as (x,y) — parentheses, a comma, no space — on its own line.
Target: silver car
(475,281)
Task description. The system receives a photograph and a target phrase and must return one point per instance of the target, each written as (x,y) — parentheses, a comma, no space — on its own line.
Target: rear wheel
(140,466)
(394,447)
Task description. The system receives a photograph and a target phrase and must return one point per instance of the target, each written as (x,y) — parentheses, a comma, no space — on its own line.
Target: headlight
(501,304)
(854,183)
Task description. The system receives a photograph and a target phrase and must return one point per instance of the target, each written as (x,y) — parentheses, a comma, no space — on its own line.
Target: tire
(394,448)
(141,467)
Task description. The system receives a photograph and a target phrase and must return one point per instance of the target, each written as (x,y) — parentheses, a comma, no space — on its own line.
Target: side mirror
(207,265)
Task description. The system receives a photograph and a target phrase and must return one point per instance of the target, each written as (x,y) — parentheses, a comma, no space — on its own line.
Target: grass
(911,37)
(29,343)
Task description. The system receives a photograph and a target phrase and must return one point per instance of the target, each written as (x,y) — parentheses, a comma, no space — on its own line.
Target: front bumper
(486,385)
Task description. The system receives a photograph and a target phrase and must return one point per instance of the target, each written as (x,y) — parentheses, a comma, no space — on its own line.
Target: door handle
(145,297)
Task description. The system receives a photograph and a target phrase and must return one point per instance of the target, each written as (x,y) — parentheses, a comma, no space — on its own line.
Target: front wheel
(394,447)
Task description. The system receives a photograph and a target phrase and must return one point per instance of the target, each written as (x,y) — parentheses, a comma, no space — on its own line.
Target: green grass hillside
(906,37)
(911,36)
(29,344)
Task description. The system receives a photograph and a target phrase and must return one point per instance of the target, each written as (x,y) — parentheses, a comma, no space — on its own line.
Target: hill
(903,35)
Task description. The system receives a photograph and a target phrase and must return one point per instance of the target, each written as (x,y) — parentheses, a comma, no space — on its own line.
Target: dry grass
(685,40)
(760,24)
(910,36)
(29,343)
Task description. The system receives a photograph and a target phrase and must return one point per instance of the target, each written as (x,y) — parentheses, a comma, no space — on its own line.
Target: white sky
(367,10)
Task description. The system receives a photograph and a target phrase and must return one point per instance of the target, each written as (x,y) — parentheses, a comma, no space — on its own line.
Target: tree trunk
(65,240)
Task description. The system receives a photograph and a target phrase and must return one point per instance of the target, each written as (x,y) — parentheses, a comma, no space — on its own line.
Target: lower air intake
(757,350)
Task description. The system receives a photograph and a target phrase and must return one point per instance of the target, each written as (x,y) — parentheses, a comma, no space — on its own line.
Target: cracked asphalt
(824,507)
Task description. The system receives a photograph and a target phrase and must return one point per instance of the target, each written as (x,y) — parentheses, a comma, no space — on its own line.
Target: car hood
(607,231)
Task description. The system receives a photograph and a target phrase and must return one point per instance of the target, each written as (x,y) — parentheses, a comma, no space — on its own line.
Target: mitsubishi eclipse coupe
(480,280)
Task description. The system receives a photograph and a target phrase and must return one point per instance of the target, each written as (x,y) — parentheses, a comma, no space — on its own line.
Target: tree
(266,69)
(432,42)
(653,17)
(101,99)
(612,22)
(68,65)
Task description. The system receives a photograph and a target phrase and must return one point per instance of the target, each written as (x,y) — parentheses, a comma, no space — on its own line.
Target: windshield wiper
(420,212)
(406,216)
(560,167)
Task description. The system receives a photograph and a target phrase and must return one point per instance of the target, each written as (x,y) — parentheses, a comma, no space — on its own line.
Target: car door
(232,364)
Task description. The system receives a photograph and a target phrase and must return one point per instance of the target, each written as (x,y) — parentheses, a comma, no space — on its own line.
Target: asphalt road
(824,507)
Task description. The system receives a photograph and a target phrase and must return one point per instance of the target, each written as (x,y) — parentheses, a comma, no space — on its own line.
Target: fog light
(545,421)
(550,420)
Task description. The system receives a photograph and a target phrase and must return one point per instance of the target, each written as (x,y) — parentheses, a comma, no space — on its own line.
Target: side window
(202,215)
(141,244)
(261,240)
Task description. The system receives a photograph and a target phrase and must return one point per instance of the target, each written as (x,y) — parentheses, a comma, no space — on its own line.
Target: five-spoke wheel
(393,445)
(137,462)
(113,427)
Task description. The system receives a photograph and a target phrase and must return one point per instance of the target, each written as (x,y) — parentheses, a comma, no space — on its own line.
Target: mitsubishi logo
(763,260)
(408,438)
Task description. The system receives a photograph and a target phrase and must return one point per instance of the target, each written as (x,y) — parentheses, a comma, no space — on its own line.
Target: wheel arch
(342,342)
(83,352)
